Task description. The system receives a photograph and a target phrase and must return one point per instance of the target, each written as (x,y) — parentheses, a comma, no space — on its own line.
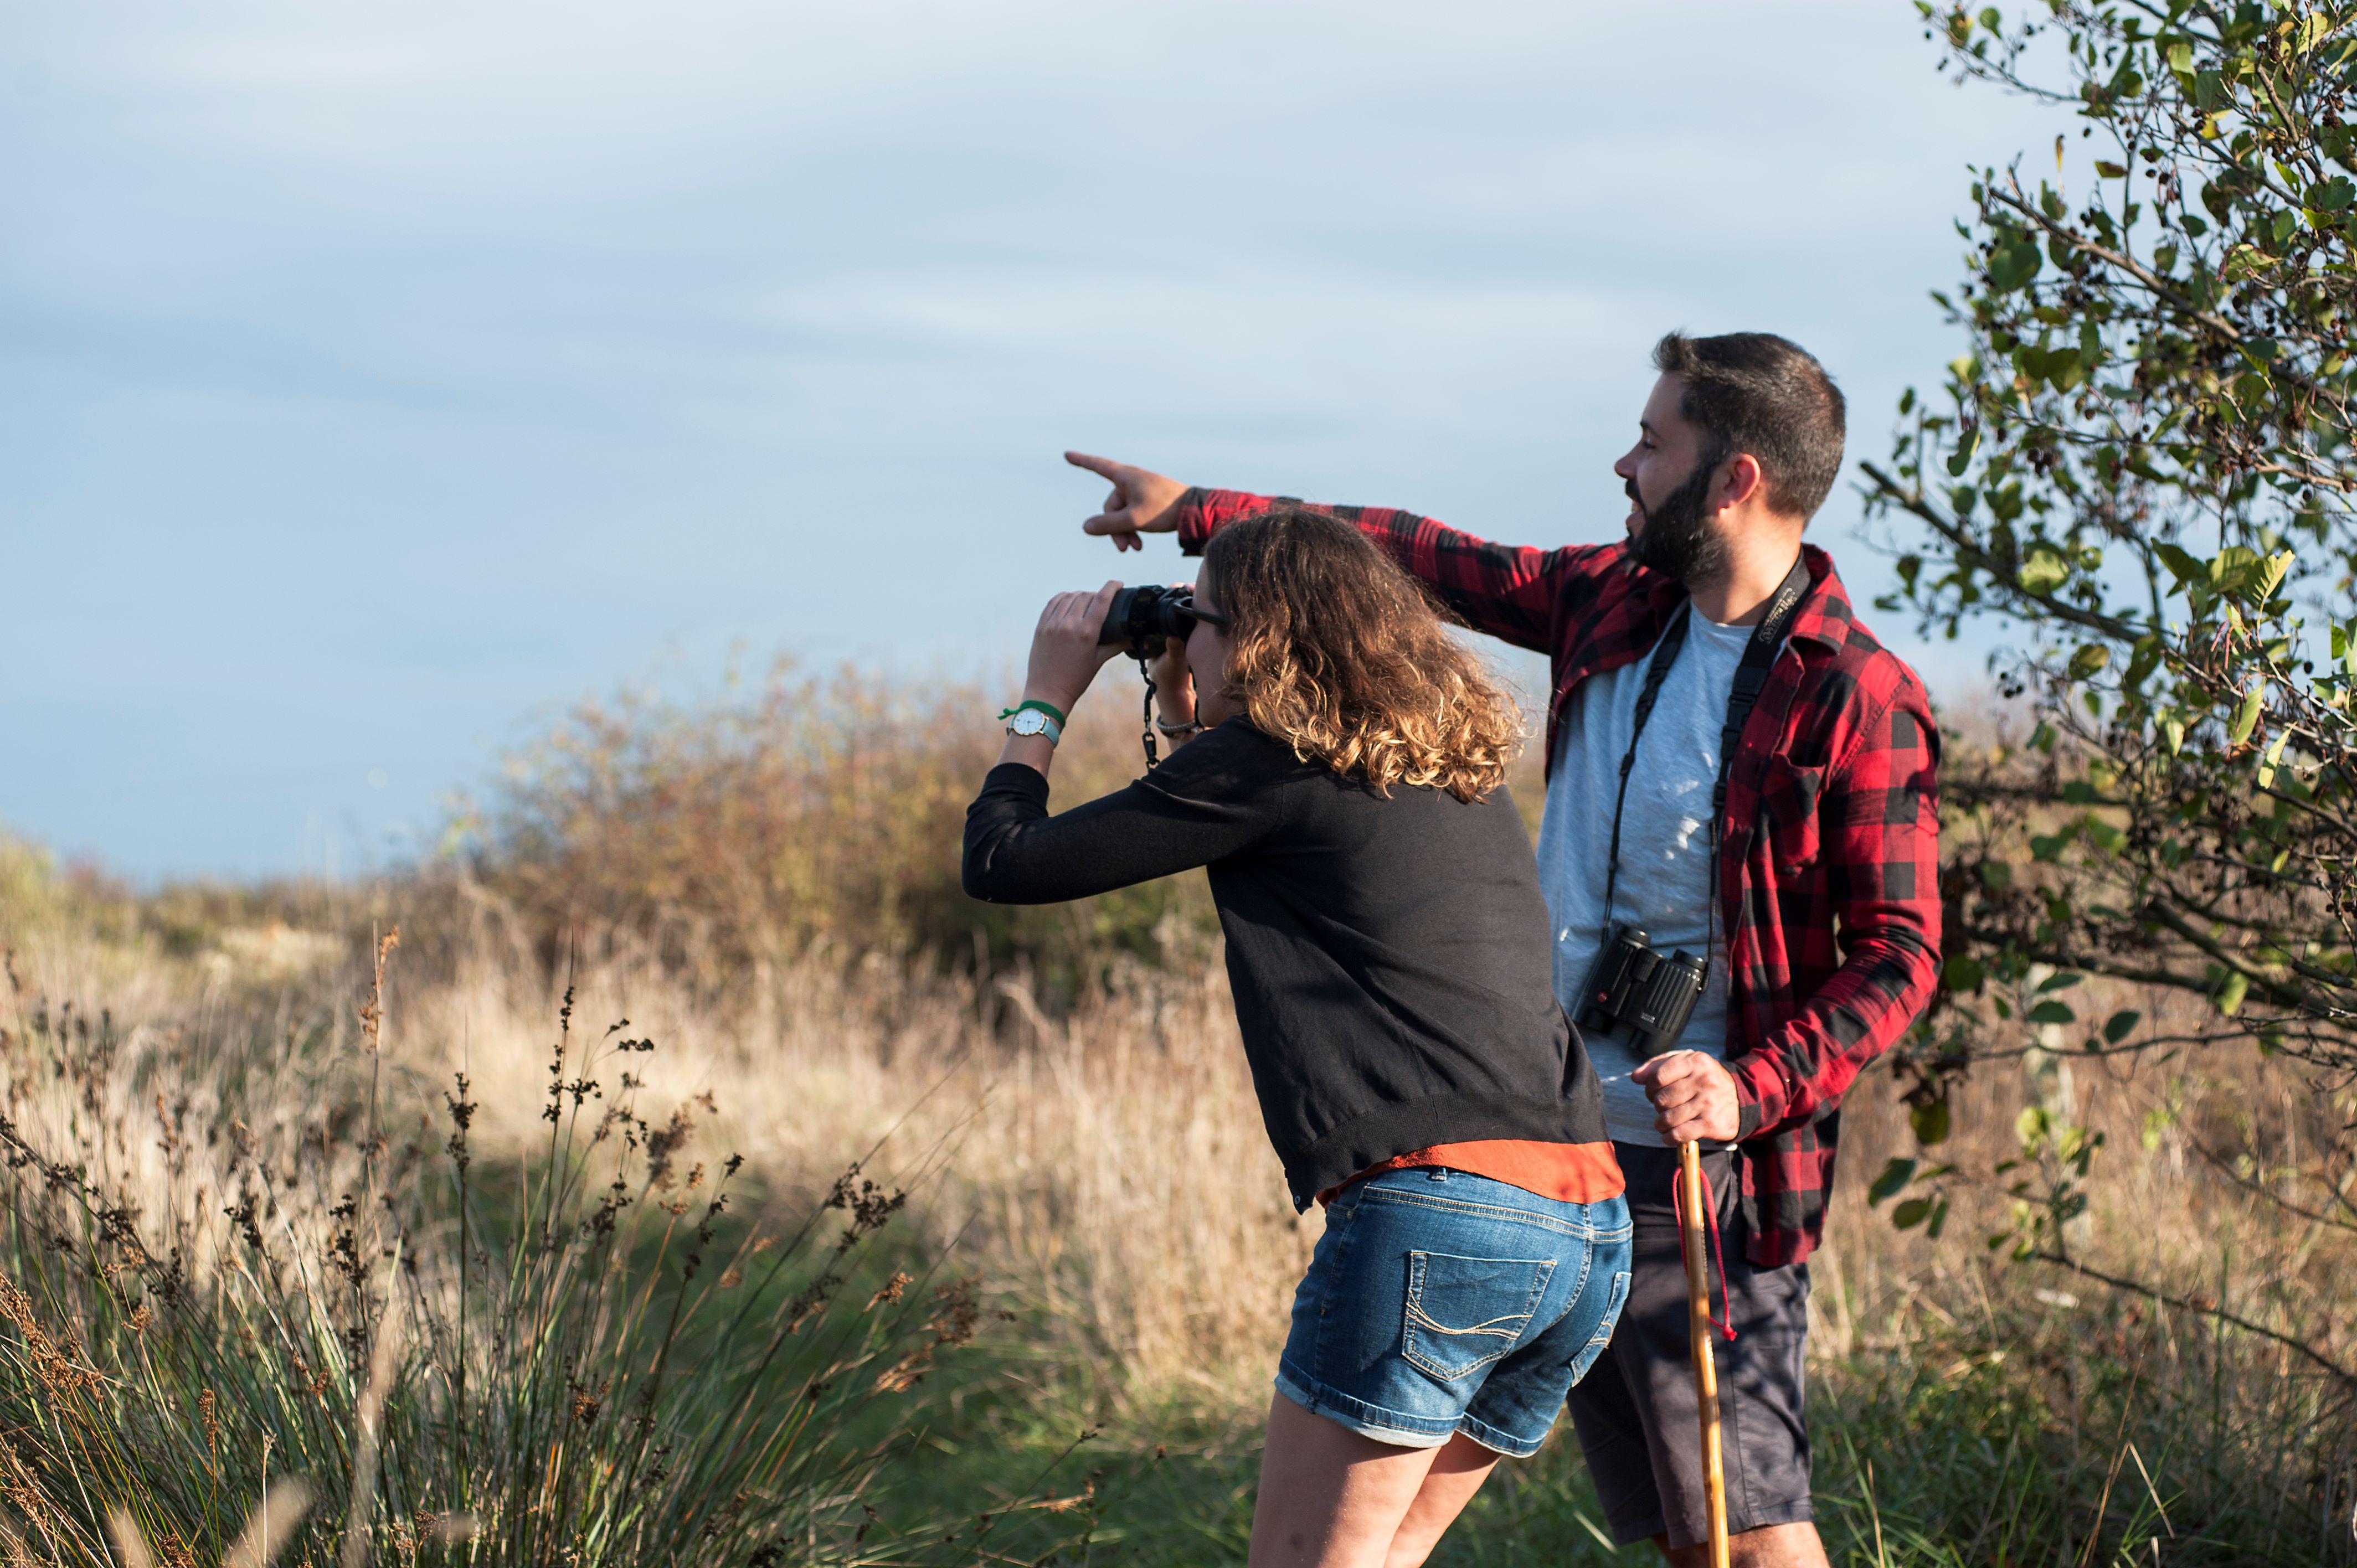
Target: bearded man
(1771,807)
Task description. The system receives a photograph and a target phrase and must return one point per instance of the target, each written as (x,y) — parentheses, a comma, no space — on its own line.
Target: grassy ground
(1916,1468)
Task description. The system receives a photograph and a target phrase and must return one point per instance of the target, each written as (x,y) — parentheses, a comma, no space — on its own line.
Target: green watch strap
(1048,708)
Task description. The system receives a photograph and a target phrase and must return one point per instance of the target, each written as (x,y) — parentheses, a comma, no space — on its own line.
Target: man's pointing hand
(1141,502)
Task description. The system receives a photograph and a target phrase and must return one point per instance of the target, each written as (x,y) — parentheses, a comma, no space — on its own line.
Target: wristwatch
(1035,718)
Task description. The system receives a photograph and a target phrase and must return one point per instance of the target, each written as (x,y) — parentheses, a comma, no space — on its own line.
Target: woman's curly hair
(1337,652)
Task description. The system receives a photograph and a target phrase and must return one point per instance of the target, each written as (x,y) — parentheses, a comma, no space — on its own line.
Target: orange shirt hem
(1568,1173)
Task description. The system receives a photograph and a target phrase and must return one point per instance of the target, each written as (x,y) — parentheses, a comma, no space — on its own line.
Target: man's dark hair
(1757,392)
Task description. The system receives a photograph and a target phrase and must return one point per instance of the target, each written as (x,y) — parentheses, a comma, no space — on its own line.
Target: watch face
(1030,721)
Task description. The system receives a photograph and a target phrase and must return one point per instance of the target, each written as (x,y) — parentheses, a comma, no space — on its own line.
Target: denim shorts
(1439,1301)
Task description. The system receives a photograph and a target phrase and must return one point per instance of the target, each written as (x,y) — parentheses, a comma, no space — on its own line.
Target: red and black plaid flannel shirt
(1830,875)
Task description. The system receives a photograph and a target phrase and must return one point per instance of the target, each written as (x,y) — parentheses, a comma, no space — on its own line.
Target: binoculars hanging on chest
(1635,987)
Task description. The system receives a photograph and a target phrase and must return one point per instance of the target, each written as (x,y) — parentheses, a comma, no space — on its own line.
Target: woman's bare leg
(1330,1498)
(1458,1471)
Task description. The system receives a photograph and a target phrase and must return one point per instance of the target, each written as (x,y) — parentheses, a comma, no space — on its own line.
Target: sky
(378,379)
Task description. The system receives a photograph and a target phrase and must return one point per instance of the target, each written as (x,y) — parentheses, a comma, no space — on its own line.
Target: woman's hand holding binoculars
(1068,649)
(1065,652)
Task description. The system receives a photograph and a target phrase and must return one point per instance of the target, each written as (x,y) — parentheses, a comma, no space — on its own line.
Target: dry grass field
(1094,1231)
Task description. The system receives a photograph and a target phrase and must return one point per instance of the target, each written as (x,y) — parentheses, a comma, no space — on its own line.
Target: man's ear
(1740,478)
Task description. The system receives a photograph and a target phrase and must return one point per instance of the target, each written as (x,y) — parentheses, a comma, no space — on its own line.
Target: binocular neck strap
(1665,653)
(1751,679)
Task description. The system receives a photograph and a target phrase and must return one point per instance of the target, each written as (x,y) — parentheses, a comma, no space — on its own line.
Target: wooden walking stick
(1693,1217)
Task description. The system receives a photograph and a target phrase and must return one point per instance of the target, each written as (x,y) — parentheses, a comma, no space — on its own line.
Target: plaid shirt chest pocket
(1789,795)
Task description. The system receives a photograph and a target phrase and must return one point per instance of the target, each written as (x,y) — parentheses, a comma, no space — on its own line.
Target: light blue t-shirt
(1664,884)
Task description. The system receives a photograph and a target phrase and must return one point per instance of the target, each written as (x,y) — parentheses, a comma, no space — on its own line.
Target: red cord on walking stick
(1710,1216)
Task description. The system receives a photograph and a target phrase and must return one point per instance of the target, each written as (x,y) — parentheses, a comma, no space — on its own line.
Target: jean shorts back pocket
(1464,1312)
(1603,1335)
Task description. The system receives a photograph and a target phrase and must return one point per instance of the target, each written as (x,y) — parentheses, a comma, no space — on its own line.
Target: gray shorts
(1635,1410)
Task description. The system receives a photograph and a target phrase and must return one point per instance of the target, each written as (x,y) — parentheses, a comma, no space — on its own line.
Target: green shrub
(737,832)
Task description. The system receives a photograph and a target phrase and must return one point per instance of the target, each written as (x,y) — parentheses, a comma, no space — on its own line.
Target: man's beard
(1678,539)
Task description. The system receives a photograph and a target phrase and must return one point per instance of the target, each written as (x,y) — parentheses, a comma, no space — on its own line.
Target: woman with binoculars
(1340,770)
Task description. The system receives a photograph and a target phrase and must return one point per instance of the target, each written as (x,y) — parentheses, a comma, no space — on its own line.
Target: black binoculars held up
(1142,617)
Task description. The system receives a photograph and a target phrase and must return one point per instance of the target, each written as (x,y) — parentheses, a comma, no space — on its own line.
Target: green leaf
(2246,717)
(2014,264)
(1929,1122)
(1939,1219)
(2272,573)
(2332,195)
(2234,569)
(2181,564)
(1895,1176)
(2111,170)
(2044,571)
(2061,979)
(2229,999)
(1966,443)
(2052,1013)
(2120,1024)
(1911,1213)
(1962,973)
(2090,657)
(2267,776)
